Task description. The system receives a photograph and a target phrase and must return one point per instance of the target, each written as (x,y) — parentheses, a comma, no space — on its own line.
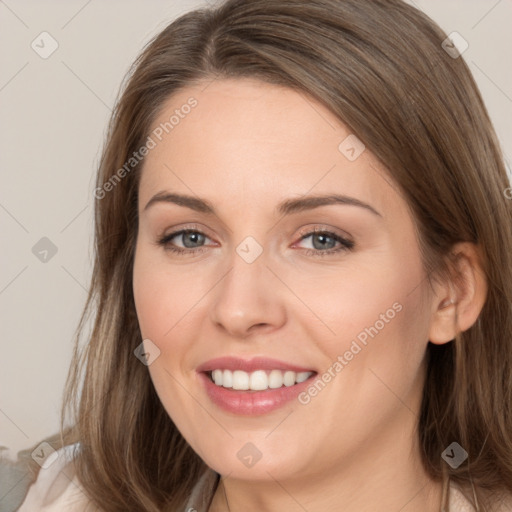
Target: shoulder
(57,487)
(459,501)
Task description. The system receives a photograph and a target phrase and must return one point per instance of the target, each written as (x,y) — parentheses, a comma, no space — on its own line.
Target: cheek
(383,342)
(163,294)
(151,301)
(376,299)
(162,300)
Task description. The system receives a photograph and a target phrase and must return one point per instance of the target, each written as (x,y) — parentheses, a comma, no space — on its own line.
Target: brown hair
(379,66)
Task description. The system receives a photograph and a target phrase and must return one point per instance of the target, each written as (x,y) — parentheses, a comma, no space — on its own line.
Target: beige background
(54,114)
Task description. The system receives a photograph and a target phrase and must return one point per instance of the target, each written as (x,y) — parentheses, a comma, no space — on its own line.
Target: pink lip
(257,363)
(250,403)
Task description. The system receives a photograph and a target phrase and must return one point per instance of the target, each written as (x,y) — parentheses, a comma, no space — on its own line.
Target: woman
(302,287)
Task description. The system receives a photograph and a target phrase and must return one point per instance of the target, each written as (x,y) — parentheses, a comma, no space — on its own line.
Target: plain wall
(54,114)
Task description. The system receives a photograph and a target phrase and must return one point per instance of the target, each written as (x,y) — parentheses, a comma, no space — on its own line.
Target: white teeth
(302,376)
(240,380)
(217,377)
(227,378)
(289,378)
(258,380)
(275,379)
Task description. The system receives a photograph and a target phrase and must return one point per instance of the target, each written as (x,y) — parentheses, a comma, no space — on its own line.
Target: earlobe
(459,301)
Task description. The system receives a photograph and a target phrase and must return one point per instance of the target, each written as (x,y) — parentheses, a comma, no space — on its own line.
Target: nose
(248,299)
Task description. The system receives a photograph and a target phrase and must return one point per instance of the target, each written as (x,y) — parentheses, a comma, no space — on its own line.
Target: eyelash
(346,245)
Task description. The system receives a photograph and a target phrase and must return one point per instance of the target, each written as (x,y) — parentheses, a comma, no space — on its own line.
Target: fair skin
(246,147)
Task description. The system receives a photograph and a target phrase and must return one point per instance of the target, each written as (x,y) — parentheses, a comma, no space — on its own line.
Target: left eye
(325,242)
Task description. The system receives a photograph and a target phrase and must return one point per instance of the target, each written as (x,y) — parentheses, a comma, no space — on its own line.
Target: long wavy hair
(380,67)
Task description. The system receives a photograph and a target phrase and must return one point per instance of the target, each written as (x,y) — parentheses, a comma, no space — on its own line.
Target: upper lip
(249,365)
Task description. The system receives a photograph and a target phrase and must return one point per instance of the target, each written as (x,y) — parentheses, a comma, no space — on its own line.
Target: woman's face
(281,287)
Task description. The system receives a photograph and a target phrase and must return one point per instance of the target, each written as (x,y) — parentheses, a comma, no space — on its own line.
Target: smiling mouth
(258,380)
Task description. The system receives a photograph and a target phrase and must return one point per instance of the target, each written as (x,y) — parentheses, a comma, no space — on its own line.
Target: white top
(57,489)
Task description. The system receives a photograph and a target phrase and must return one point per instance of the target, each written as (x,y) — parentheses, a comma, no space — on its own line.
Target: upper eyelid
(325,229)
(180,231)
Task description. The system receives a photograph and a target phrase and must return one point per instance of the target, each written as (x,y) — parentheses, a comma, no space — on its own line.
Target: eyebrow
(287,207)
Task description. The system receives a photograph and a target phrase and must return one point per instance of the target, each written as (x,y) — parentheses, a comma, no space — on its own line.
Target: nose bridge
(242,288)
(246,296)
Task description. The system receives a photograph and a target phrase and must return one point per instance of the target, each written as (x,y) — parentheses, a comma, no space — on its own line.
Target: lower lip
(251,403)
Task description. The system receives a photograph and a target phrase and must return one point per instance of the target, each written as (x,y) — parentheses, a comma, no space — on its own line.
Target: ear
(458,300)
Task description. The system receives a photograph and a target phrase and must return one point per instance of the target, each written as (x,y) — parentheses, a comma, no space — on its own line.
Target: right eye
(188,237)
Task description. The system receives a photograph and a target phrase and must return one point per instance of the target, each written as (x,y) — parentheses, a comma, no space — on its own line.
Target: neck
(386,476)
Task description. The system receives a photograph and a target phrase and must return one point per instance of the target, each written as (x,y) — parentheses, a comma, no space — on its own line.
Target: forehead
(249,143)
